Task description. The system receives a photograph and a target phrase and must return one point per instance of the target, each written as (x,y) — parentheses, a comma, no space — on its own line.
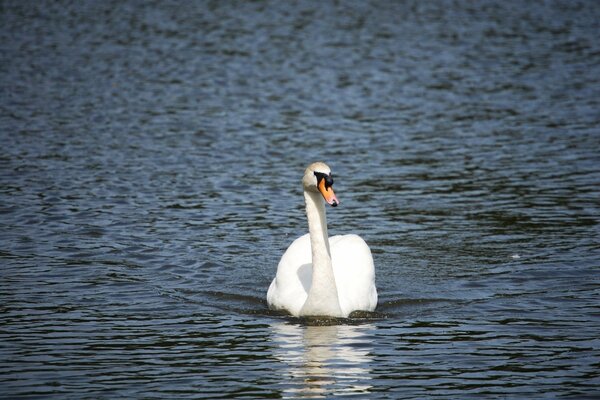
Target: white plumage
(323,276)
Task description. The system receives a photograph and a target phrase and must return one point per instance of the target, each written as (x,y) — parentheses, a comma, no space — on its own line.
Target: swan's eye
(328,179)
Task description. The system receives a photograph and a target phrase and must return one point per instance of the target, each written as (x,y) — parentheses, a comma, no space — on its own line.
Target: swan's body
(318,275)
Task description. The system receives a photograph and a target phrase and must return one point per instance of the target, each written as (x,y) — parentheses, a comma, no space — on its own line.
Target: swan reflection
(323,360)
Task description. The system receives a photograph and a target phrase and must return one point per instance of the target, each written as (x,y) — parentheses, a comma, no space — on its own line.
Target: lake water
(150,180)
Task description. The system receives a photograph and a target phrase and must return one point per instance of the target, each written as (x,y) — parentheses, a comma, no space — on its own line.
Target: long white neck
(322,296)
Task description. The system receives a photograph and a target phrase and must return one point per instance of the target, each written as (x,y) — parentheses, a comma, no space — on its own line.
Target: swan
(318,275)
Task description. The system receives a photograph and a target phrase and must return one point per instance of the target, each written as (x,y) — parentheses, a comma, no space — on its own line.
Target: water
(150,181)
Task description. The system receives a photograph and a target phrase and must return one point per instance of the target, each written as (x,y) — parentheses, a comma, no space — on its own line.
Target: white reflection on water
(323,360)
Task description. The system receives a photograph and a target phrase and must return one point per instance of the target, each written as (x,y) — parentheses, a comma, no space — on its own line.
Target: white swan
(318,275)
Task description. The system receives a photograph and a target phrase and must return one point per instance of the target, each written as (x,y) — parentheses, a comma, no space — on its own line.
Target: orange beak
(328,194)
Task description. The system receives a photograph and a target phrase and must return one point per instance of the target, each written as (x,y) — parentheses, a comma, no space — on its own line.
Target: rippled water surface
(150,180)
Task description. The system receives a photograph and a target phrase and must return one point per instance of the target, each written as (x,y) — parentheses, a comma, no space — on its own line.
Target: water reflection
(323,360)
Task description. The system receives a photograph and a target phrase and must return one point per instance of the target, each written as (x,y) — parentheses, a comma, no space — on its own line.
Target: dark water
(150,181)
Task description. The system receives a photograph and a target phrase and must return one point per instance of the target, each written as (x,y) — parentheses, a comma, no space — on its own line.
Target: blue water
(150,180)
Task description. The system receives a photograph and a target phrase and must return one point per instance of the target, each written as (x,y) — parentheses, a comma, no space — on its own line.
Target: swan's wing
(290,286)
(354,273)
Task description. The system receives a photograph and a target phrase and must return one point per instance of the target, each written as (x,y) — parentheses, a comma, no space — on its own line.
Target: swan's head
(317,178)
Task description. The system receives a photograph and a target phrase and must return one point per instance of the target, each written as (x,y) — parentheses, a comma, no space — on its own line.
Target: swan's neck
(322,296)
